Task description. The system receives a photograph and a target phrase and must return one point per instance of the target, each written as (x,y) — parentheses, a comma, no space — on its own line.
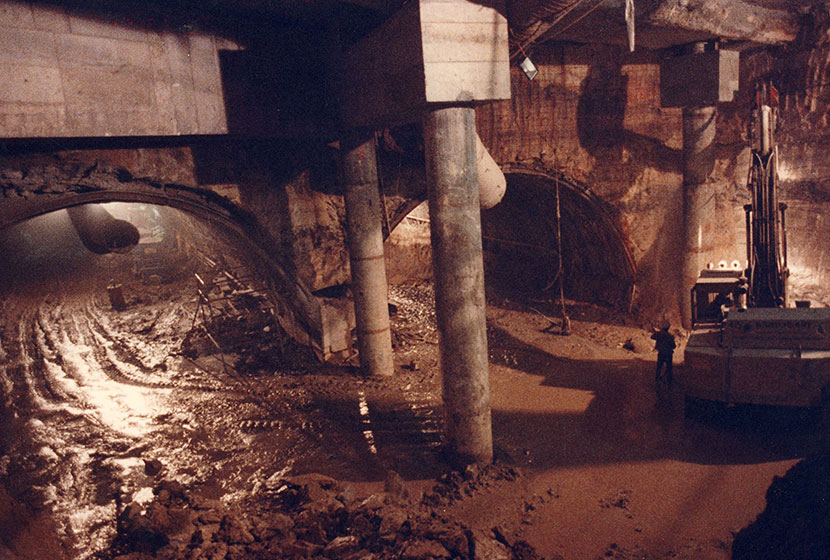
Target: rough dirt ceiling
(659,23)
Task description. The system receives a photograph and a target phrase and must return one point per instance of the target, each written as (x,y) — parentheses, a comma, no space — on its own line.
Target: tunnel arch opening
(521,248)
(40,189)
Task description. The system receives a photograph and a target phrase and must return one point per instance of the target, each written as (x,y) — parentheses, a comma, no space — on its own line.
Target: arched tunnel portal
(36,190)
(521,246)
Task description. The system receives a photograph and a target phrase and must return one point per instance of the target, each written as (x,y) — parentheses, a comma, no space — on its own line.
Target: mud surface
(129,434)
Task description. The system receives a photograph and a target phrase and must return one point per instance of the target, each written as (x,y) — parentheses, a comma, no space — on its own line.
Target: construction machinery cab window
(713,295)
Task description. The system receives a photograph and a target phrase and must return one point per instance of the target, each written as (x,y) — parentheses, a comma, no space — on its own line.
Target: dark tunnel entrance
(521,249)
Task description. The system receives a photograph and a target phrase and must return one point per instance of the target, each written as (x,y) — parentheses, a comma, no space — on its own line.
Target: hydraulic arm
(766,240)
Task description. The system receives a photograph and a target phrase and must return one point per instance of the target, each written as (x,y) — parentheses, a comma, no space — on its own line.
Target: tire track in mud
(15,394)
(54,447)
(91,474)
(61,355)
(119,356)
(26,390)
(43,355)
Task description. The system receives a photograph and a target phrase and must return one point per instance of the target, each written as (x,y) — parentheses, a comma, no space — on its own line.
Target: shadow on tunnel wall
(622,156)
(264,170)
(601,108)
(521,248)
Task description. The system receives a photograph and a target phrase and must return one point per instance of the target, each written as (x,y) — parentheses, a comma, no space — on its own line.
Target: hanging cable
(629,23)
(385,215)
(559,10)
(566,321)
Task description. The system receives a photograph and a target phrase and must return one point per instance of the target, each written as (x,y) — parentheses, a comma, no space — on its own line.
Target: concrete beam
(661,23)
(430,51)
(73,75)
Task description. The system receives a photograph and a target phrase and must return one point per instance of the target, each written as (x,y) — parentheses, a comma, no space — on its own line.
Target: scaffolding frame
(230,292)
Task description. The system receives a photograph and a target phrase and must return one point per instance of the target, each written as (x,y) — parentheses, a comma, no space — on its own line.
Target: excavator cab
(715,293)
(764,353)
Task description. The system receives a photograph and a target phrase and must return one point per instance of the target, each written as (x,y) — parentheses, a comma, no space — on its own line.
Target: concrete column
(455,222)
(698,162)
(363,224)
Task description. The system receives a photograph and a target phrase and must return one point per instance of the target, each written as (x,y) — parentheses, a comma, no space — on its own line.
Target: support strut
(698,162)
(363,224)
(455,222)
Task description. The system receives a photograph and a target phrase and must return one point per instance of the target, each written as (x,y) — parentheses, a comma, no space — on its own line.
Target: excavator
(748,344)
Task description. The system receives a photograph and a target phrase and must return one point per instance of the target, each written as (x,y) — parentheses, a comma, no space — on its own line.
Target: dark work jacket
(664,342)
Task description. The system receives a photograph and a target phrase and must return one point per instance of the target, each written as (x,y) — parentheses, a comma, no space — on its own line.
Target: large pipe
(363,224)
(455,222)
(491,181)
(100,231)
(698,162)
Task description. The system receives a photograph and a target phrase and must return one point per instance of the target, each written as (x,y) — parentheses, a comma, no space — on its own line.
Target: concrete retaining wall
(68,74)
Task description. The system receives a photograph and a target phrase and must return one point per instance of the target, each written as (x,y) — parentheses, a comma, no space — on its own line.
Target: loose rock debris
(218,434)
(314,516)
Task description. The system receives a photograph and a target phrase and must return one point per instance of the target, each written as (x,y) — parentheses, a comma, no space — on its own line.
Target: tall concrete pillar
(363,224)
(698,162)
(455,222)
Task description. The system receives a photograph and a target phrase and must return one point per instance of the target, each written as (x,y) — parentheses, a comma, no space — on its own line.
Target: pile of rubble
(313,516)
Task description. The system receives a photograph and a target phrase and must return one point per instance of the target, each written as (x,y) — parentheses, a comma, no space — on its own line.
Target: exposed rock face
(593,116)
(593,113)
(802,74)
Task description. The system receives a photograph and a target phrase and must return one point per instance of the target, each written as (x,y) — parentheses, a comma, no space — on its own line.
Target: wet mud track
(93,402)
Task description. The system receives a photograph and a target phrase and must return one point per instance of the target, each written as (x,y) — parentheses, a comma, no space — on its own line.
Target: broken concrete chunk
(233,531)
(391,519)
(301,549)
(372,503)
(339,546)
(487,548)
(312,487)
(152,467)
(424,550)
(394,484)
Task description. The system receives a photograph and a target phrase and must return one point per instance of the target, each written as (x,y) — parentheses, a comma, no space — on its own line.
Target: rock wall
(408,248)
(593,113)
(802,74)
(292,188)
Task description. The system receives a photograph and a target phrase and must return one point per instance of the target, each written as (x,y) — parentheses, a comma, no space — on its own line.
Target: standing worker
(664,344)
